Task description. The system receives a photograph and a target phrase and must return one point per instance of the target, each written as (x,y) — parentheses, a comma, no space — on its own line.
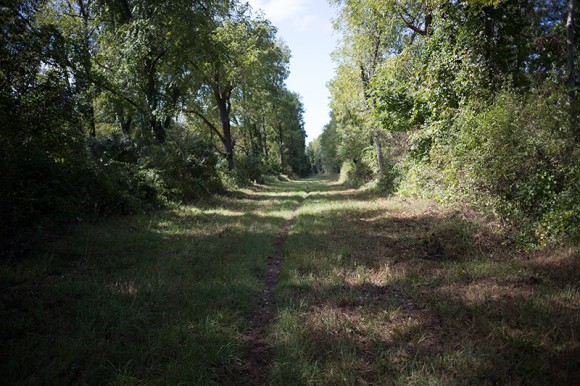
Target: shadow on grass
(386,296)
(141,299)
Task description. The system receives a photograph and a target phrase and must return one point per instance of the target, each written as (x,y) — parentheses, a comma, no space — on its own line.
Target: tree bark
(370,105)
(154,124)
(223,101)
(125,124)
(379,151)
(92,124)
(264,138)
(281,145)
(86,54)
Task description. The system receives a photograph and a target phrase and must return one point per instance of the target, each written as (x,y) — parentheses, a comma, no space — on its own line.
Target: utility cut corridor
(291,282)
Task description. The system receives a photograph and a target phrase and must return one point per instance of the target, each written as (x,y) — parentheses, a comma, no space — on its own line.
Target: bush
(389,180)
(40,192)
(355,174)
(250,168)
(187,165)
(515,158)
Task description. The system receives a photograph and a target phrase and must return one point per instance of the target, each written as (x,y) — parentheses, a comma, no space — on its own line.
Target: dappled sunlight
(315,207)
(371,289)
(387,283)
(224,212)
(483,291)
(266,195)
(281,214)
(330,194)
(376,276)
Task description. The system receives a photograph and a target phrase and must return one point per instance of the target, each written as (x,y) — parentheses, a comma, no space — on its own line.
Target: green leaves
(453,88)
(81,78)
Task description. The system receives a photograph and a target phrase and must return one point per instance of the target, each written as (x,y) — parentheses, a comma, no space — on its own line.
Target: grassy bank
(371,291)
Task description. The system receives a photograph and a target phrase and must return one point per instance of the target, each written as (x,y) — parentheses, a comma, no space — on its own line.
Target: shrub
(355,174)
(40,192)
(515,158)
(187,165)
(250,168)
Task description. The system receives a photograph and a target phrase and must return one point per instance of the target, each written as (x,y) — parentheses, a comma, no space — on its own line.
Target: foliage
(106,106)
(466,103)
(514,158)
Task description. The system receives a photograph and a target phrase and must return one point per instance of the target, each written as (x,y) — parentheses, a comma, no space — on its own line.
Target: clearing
(296,282)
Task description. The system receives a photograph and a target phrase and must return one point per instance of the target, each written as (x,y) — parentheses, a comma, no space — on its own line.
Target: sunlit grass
(389,291)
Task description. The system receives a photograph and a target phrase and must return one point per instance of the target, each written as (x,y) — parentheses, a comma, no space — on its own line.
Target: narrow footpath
(257,359)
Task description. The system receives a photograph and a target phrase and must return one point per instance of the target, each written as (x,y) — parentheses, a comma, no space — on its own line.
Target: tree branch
(208,123)
(412,26)
(113,91)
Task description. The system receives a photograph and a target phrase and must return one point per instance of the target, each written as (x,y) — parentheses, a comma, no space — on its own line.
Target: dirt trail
(255,366)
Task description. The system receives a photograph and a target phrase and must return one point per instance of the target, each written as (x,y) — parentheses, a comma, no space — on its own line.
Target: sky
(306,27)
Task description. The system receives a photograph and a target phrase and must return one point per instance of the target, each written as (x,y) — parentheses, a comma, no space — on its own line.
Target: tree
(243,54)
(372,31)
(328,144)
(471,96)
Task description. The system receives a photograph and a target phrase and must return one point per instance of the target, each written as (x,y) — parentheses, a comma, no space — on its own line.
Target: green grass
(150,299)
(389,291)
(372,290)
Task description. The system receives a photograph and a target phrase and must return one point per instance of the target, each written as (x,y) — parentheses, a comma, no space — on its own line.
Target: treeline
(115,106)
(470,102)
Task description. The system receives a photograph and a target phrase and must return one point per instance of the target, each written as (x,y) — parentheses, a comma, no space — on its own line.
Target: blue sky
(306,27)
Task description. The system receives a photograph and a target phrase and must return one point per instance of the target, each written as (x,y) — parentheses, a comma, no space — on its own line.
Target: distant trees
(323,151)
(464,101)
(146,100)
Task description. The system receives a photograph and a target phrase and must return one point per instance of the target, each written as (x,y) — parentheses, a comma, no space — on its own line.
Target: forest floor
(291,283)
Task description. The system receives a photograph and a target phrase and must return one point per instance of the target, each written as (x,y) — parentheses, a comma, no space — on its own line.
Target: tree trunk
(154,123)
(92,125)
(125,123)
(87,63)
(264,138)
(158,130)
(224,108)
(228,143)
(251,140)
(281,146)
(379,151)
(571,65)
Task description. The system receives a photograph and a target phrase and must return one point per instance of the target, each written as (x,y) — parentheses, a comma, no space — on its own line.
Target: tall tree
(372,30)
(243,54)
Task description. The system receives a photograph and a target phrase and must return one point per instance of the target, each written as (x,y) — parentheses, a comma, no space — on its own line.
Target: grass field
(372,290)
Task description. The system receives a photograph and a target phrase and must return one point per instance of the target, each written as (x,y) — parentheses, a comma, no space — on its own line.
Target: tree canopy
(138,102)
